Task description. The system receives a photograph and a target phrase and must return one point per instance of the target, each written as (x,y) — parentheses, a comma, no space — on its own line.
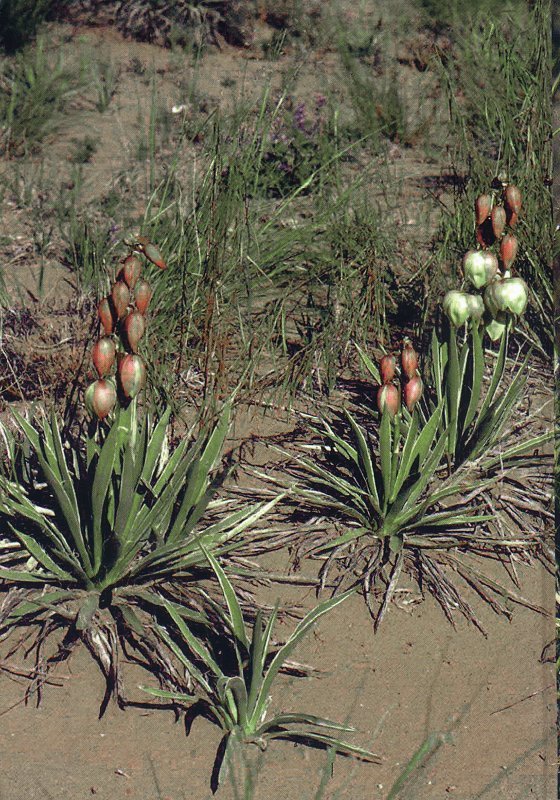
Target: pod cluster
(121,370)
(388,394)
(495,296)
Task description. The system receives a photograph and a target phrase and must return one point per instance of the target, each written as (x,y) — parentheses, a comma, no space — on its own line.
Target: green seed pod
(509,295)
(456,307)
(480,267)
(476,306)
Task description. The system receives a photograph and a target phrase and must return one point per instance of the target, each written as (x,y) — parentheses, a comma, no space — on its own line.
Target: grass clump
(20,21)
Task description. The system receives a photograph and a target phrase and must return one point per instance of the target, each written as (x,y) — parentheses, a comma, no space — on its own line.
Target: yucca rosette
(480,267)
(132,375)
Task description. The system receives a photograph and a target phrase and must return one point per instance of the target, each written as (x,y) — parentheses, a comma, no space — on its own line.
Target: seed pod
(508,250)
(120,295)
(485,234)
(480,267)
(482,207)
(512,199)
(388,397)
(409,359)
(387,367)
(456,307)
(131,270)
(476,306)
(105,313)
(142,296)
(412,392)
(509,295)
(103,398)
(103,355)
(135,327)
(132,375)
(88,397)
(498,220)
(511,218)
(150,251)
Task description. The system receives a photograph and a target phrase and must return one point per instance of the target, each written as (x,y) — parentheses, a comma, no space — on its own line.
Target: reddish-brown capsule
(105,313)
(498,220)
(142,296)
(135,327)
(388,397)
(103,355)
(409,359)
(482,208)
(512,199)
(120,295)
(131,270)
(508,250)
(387,367)
(102,398)
(412,392)
(132,375)
(511,218)
(485,234)
(151,252)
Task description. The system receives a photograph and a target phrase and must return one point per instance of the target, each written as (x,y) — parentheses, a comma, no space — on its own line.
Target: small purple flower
(299,117)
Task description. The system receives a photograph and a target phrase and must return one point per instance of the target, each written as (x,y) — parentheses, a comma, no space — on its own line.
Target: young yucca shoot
(240,702)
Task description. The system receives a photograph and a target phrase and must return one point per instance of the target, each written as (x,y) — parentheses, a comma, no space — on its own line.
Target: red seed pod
(482,208)
(511,218)
(131,269)
(135,327)
(150,251)
(498,220)
(512,199)
(387,367)
(105,314)
(120,295)
(132,375)
(412,392)
(409,359)
(485,234)
(103,355)
(102,398)
(142,296)
(508,250)
(388,397)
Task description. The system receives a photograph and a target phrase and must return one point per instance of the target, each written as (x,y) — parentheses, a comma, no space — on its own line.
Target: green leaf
(366,462)
(284,652)
(87,610)
(236,615)
(385,454)
(477,374)
(368,364)
(103,475)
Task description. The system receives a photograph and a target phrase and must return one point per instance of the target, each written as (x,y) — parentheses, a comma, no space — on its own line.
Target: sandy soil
(492,699)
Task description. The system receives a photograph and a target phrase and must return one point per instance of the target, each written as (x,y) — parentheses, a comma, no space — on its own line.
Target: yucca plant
(100,527)
(239,702)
